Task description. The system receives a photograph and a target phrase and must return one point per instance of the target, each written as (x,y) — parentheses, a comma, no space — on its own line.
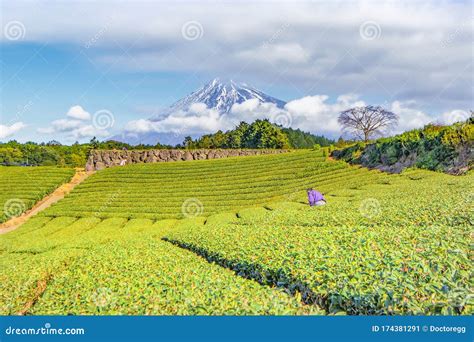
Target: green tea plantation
(236,237)
(22,187)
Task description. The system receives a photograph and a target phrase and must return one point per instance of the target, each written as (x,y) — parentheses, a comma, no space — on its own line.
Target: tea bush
(22,187)
(117,244)
(398,245)
(160,191)
(116,266)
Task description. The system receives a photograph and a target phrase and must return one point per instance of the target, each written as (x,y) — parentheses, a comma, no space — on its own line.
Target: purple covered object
(315,196)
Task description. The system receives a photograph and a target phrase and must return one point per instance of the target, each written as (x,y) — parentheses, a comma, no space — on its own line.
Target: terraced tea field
(22,187)
(177,190)
(234,236)
(400,247)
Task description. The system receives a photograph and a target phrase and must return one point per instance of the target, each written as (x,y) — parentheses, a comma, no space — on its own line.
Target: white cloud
(89,131)
(277,53)
(316,114)
(423,51)
(65,125)
(197,119)
(409,117)
(310,113)
(141,126)
(453,116)
(77,112)
(8,131)
(252,110)
(77,125)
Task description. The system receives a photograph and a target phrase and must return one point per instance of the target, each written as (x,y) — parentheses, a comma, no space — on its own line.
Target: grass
(384,244)
(22,187)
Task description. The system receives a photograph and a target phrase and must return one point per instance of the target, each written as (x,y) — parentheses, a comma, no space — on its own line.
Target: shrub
(435,147)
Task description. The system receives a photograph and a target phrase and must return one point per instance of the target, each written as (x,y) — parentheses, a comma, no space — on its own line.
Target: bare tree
(366,122)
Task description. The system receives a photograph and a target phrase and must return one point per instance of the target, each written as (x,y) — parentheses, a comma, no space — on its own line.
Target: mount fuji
(222,95)
(219,95)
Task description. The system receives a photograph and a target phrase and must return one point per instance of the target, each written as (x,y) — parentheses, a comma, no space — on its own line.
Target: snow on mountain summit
(221,96)
(218,95)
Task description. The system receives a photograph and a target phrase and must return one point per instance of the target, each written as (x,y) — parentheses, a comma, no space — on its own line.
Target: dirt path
(58,194)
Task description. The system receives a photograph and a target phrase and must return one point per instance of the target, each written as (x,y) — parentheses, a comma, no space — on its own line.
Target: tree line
(360,123)
(259,134)
(54,153)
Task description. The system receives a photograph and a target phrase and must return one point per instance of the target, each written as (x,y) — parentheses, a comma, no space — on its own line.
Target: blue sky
(40,82)
(41,89)
(134,58)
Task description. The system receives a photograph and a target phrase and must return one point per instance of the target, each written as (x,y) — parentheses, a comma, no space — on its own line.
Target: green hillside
(22,187)
(435,147)
(159,191)
(248,243)
(399,245)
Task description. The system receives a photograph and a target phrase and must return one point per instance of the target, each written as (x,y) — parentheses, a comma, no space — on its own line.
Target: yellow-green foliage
(458,134)
(22,187)
(119,266)
(159,191)
(399,245)
(384,244)
(434,147)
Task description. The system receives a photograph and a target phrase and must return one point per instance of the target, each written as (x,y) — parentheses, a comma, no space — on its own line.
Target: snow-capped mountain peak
(221,95)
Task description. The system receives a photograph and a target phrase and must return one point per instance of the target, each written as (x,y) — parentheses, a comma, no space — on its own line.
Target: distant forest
(259,134)
(54,153)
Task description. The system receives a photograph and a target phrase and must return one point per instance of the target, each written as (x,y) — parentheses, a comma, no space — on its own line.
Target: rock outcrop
(101,159)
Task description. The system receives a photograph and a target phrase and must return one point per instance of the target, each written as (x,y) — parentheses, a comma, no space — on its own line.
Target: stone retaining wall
(100,159)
